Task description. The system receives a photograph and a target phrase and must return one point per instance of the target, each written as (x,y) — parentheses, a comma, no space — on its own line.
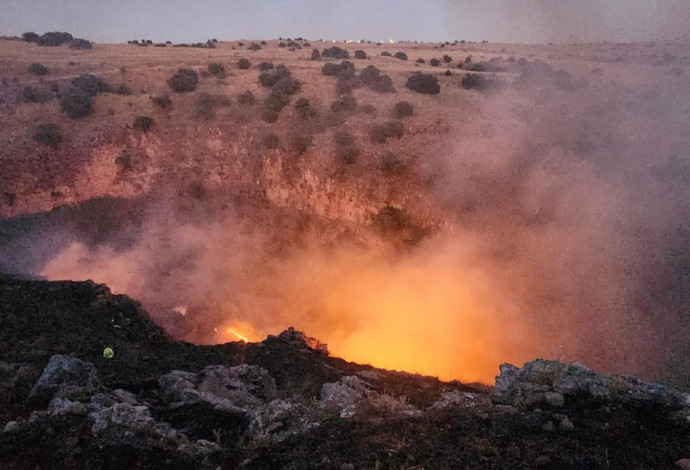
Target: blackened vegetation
(184,81)
(539,74)
(423,83)
(38,69)
(480,82)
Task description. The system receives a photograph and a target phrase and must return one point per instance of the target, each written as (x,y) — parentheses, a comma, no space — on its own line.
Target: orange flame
(241,337)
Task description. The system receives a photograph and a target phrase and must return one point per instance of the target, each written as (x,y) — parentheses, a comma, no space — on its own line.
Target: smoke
(561,231)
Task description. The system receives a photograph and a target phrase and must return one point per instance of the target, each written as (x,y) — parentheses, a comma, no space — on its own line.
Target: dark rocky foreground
(285,404)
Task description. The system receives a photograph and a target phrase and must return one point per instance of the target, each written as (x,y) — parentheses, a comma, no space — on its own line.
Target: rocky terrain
(284,403)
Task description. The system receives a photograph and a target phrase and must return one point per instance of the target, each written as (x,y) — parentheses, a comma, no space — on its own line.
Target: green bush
(304,109)
(344,103)
(269,116)
(243,64)
(207,103)
(381,133)
(38,69)
(400,55)
(386,54)
(264,66)
(30,37)
(447,59)
(315,54)
(423,83)
(359,54)
(54,39)
(32,95)
(420,61)
(335,52)
(184,81)
(79,43)
(383,84)
(435,62)
(276,101)
(75,104)
(216,68)
(47,134)
(143,123)
(254,47)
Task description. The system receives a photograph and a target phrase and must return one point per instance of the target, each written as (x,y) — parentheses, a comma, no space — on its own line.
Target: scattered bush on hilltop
(299,142)
(246,98)
(184,81)
(216,68)
(335,52)
(30,37)
(162,101)
(381,133)
(264,66)
(143,123)
(32,95)
(479,82)
(402,109)
(91,84)
(47,134)
(435,62)
(304,109)
(254,47)
(79,43)
(315,54)
(243,64)
(75,104)
(400,55)
(371,76)
(54,39)
(447,59)
(269,116)
(386,54)
(360,54)
(420,61)
(344,103)
(334,70)
(38,69)
(207,103)
(423,83)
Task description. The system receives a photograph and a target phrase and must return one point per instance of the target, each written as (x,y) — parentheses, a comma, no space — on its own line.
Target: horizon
(496,21)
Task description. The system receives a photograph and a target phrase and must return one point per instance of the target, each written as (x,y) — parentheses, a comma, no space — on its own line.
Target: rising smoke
(563,233)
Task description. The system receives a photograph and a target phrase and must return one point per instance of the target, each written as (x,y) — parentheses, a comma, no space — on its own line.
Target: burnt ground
(39,319)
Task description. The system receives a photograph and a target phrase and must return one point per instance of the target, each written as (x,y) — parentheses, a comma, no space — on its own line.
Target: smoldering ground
(564,235)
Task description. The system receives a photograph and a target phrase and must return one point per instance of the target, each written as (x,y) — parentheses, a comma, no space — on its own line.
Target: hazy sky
(424,20)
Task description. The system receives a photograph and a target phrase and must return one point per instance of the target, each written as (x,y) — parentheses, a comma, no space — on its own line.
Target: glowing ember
(181,309)
(241,337)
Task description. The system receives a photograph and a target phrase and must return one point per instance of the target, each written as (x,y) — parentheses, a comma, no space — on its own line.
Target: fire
(241,337)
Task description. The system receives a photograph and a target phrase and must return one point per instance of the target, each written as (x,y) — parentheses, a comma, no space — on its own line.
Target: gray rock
(566,424)
(344,394)
(458,399)
(554,399)
(63,371)
(63,406)
(10,427)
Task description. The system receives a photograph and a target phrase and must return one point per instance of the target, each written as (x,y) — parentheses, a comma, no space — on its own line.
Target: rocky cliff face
(285,403)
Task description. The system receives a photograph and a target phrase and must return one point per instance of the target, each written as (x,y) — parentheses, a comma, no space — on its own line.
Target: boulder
(65,372)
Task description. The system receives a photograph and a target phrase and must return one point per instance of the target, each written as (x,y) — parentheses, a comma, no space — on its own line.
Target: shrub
(75,104)
(390,220)
(335,52)
(369,75)
(447,59)
(282,44)
(185,80)
(246,98)
(124,161)
(448,73)
(304,109)
(478,67)
(391,164)
(281,73)
(263,43)
(420,61)
(369,109)
(216,68)
(315,54)
(344,103)
(423,83)
(54,39)
(264,66)
(32,95)
(243,64)
(386,54)
(269,116)
(270,140)
(30,37)
(288,86)
(402,109)
(207,103)
(276,101)
(344,67)
(400,55)
(79,43)
(122,89)
(299,142)
(38,69)
(143,123)
(481,83)
(162,101)
(343,138)
(47,134)
(254,47)
(347,83)
(434,62)
(359,54)
(468,59)
(90,84)
(381,133)
(384,84)
(348,155)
